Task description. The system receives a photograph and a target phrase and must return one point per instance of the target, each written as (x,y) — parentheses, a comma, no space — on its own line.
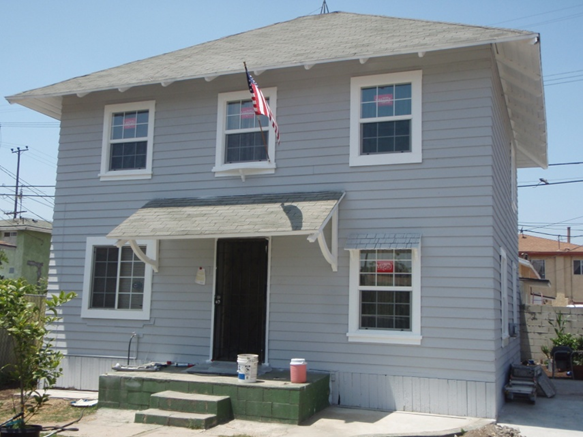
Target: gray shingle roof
(383,241)
(304,40)
(249,215)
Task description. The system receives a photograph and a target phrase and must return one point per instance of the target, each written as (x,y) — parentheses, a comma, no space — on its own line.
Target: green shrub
(35,362)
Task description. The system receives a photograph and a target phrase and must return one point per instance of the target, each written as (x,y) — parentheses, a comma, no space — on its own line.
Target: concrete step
(176,418)
(193,403)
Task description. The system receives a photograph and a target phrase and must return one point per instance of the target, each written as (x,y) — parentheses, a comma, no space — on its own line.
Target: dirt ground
(493,431)
(56,411)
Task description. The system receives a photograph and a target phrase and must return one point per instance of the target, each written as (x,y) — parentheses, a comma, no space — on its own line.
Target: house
(26,243)
(377,240)
(559,262)
(533,289)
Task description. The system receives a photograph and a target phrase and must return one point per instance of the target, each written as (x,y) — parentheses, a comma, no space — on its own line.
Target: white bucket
(247,367)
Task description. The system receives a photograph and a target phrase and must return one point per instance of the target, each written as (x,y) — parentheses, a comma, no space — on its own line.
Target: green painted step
(176,418)
(193,403)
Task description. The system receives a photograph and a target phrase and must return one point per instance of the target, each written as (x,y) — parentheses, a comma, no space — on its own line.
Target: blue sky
(43,42)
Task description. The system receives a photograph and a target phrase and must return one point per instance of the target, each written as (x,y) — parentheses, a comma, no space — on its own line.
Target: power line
(535,15)
(550,183)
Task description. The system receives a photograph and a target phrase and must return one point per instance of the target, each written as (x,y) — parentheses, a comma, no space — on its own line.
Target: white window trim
(504,293)
(116,175)
(515,318)
(101,313)
(356,84)
(355,334)
(243,168)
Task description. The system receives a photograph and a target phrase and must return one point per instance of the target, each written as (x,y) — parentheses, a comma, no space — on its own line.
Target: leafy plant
(563,338)
(35,362)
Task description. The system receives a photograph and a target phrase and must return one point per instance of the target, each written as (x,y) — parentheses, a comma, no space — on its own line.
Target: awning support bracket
(140,254)
(331,255)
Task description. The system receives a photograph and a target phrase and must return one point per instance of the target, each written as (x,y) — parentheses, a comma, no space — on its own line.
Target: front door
(240,299)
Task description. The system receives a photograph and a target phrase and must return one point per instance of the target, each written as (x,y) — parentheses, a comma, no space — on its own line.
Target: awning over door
(256,215)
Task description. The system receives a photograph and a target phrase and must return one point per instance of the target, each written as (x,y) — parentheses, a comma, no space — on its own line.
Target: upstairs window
(10,237)
(385,119)
(539,266)
(245,142)
(128,141)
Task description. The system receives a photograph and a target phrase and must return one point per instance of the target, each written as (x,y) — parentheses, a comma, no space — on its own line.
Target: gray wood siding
(505,230)
(456,198)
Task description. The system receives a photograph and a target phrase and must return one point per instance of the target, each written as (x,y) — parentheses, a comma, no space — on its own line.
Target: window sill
(385,159)
(125,175)
(244,169)
(384,337)
(115,314)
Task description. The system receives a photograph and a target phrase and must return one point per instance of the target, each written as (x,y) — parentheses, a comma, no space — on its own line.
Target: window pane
(390,310)
(403,107)
(369,110)
(403,91)
(367,280)
(577,267)
(385,137)
(128,156)
(368,95)
(246,147)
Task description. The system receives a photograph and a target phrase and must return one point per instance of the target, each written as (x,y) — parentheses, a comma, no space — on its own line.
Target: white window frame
(115,175)
(112,313)
(243,168)
(415,78)
(515,302)
(356,334)
(504,293)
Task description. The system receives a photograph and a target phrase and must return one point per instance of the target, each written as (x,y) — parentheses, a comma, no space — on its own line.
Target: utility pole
(18,151)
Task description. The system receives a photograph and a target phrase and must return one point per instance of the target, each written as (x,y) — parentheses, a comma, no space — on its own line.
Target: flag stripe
(260,105)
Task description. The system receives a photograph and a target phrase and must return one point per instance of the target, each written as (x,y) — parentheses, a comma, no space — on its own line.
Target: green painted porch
(273,398)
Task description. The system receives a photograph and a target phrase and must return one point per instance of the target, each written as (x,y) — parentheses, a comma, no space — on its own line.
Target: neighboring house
(27,245)
(534,290)
(400,141)
(559,262)
(6,257)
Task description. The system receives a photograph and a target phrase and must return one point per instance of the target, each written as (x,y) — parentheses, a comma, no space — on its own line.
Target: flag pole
(257,116)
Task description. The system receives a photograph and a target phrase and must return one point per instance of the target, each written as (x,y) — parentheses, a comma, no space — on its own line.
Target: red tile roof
(530,244)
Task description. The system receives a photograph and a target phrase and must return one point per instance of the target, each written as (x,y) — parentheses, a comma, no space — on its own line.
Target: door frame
(267,297)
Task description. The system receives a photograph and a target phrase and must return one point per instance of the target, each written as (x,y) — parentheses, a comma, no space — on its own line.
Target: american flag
(260,105)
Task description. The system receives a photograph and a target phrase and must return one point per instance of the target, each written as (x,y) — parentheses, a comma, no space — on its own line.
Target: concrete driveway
(560,416)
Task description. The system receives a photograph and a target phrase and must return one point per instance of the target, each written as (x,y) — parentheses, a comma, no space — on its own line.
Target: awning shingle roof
(230,216)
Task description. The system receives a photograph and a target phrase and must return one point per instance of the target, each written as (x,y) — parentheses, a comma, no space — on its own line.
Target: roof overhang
(259,215)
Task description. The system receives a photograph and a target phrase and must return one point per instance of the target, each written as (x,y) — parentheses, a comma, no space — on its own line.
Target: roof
(334,37)
(230,216)
(532,245)
(24,224)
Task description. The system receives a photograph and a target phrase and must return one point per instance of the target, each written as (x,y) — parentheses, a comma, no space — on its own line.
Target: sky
(47,41)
